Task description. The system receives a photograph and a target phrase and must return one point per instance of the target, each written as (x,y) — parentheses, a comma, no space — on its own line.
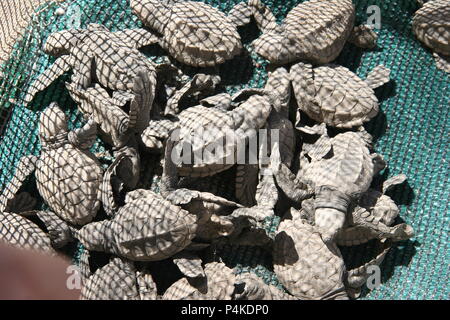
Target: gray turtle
(194,33)
(20,232)
(146,228)
(314,31)
(15,229)
(309,268)
(119,280)
(207,140)
(217,285)
(336,96)
(68,176)
(431,25)
(109,58)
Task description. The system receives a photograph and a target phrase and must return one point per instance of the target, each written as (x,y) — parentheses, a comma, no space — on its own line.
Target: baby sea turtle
(15,229)
(217,285)
(336,96)
(119,280)
(110,58)
(314,31)
(431,25)
(206,140)
(146,228)
(338,179)
(309,268)
(194,33)
(68,176)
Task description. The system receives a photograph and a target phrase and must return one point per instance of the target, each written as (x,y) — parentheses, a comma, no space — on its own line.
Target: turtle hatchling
(339,179)
(147,228)
(314,31)
(194,33)
(68,176)
(336,96)
(431,25)
(119,280)
(110,58)
(311,269)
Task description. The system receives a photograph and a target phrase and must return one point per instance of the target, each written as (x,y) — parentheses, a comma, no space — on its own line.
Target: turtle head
(60,43)
(275,47)
(52,122)
(153,13)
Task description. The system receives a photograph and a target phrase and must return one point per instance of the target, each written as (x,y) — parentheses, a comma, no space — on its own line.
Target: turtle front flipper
(378,77)
(138,37)
(24,168)
(83,138)
(59,231)
(153,13)
(59,67)
(112,185)
(357,277)
(246,181)
(200,82)
(240,14)
(264,17)
(442,62)
(128,170)
(364,37)
(366,227)
(294,188)
(189,264)
(107,112)
(156,134)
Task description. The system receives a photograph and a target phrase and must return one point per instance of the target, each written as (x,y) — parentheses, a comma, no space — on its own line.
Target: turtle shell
(21,232)
(320,28)
(114,281)
(209,126)
(338,97)
(306,266)
(431,24)
(350,169)
(69,181)
(151,228)
(200,35)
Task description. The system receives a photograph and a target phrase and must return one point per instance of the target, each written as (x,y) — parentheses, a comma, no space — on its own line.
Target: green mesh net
(411,130)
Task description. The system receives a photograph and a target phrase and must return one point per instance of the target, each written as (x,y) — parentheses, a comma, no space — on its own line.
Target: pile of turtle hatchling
(315,173)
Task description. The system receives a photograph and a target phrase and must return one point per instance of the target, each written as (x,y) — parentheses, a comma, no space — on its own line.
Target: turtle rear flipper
(363,36)
(240,14)
(378,77)
(189,264)
(146,286)
(59,67)
(25,167)
(442,62)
